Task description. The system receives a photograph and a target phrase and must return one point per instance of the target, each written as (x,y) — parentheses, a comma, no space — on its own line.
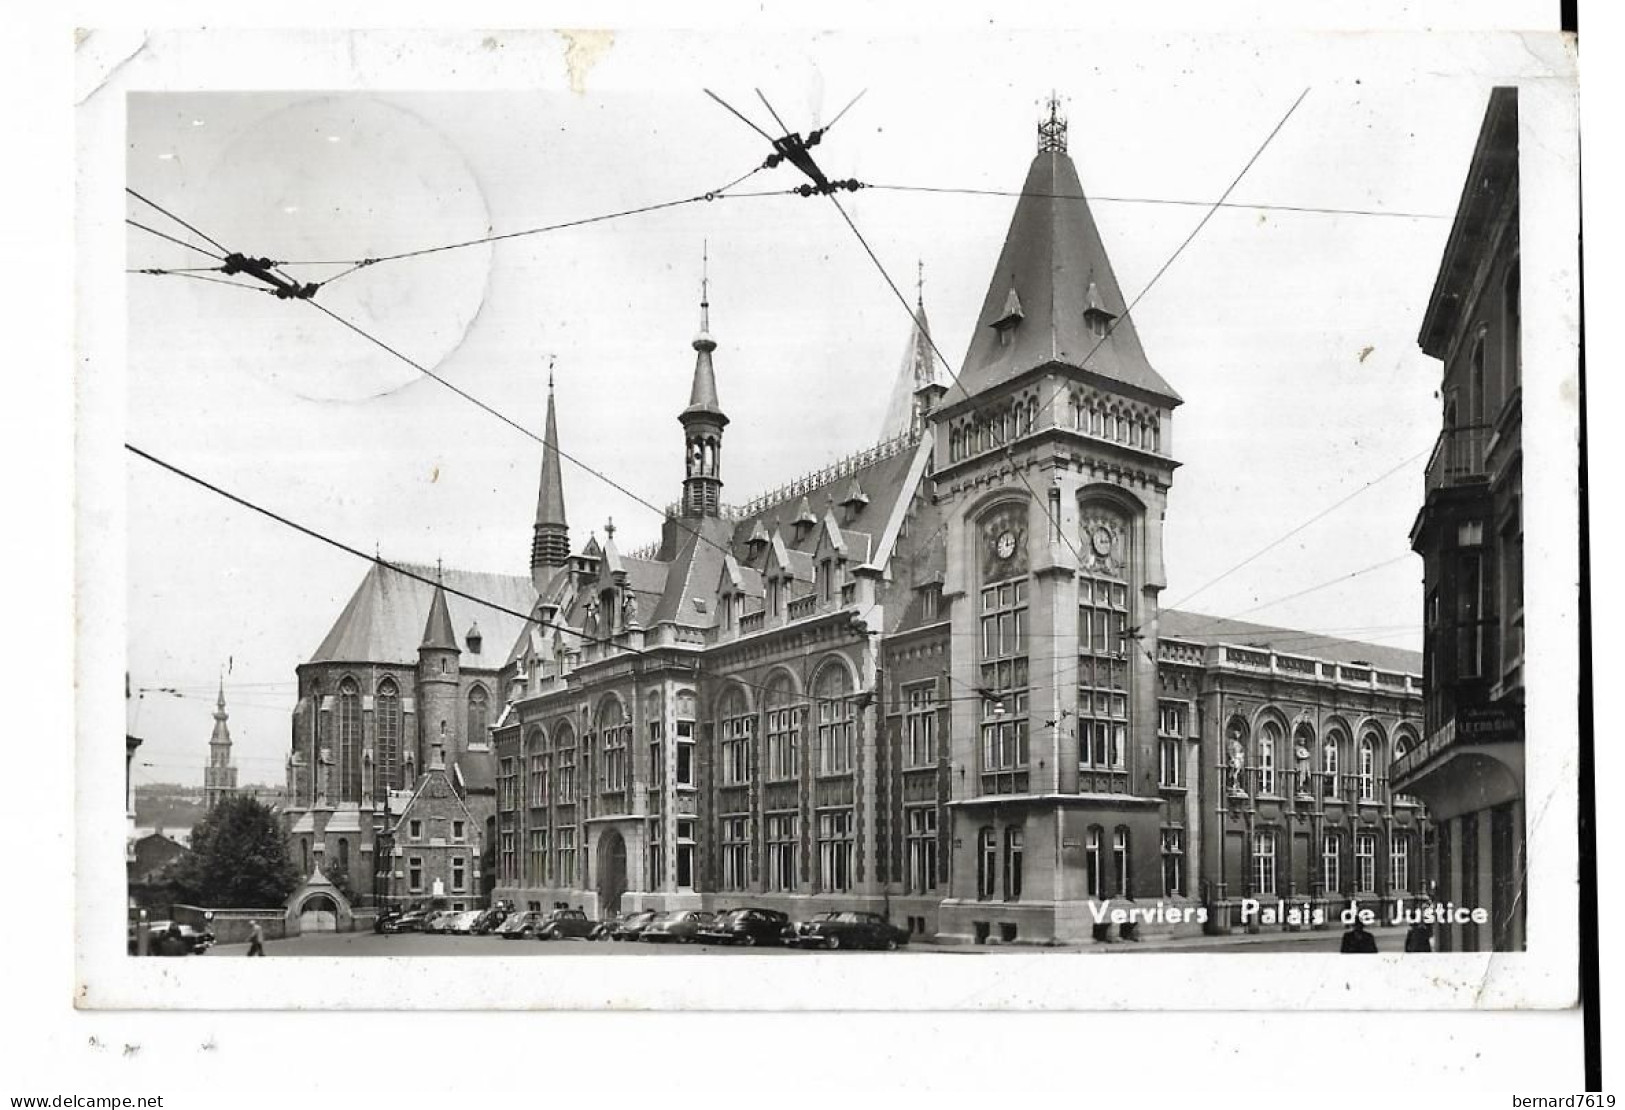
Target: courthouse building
(934,679)
(1469,532)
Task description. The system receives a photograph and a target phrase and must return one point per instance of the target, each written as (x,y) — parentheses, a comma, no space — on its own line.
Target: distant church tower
(220,775)
(703,422)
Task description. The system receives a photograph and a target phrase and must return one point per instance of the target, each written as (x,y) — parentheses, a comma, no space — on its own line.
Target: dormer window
(473,639)
(1010,316)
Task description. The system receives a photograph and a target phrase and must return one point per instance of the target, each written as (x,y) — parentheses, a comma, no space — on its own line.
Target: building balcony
(1458,458)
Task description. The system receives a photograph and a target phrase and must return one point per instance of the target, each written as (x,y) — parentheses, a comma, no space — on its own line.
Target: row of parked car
(746,927)
(171,938)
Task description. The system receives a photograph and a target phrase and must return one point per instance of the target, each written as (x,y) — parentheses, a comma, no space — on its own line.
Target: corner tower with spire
(1053,467)
(550,536)
(439,676)
(220,775)
(703,421)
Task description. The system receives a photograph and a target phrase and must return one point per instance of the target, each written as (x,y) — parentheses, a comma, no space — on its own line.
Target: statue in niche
(629,609)
(1238,760)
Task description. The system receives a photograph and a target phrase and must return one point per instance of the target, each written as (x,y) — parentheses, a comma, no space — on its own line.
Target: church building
(933,680)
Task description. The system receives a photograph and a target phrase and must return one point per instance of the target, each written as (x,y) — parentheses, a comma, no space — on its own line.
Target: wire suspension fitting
(260,268)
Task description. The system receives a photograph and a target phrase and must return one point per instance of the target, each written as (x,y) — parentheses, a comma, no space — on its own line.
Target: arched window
(479,705)
(1329,768)
(1032,415)
(1368,767)
(1403,743)
(736,725)
(349,753)
(1269,745)
(614,736)
(1156,436)
(541,760)
(783,729)
(344,854)
(1096,420)
(389,737)
(836,735)
(564,765)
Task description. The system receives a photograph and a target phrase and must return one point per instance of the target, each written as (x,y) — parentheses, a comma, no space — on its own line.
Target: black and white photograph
(742,520)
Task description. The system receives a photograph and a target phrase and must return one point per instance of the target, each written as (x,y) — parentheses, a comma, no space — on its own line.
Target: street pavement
(420,944)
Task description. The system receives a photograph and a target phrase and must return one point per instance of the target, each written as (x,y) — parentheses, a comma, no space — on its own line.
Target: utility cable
(1169,201)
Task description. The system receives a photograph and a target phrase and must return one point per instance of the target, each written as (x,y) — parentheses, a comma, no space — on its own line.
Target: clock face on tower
(1005,545)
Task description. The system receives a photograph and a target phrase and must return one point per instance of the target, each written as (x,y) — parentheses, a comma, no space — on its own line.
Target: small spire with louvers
(550,537)
(703,419)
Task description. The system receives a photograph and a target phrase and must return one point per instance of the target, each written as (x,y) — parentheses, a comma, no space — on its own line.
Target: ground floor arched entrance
(318,914)
(611,871)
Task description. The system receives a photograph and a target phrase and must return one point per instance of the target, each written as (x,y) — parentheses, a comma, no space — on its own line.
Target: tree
(239,858)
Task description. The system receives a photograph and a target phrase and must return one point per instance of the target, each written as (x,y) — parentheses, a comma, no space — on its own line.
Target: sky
(1291,335)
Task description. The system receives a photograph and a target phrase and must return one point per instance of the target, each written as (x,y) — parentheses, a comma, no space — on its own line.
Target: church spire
(219,775)
(437,630)
(550,538)
(703,419)
(920,381)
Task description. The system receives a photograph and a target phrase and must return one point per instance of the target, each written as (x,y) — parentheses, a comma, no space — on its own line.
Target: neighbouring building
(219,774)
(1469,768)
(391,685)
(933,679)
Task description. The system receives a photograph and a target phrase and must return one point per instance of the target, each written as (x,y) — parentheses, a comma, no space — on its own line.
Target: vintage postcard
(743,521)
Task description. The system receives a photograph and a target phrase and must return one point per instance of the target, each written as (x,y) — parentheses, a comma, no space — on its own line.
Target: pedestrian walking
(256,939)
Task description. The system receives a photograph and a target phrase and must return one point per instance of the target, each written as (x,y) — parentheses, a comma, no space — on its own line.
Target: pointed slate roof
(550,493)
(437,630)
(1041,288)
(383,620)
(919,369)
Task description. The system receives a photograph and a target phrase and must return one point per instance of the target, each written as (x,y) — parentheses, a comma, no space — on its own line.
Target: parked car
(462,924)
(520,925)
(490,920)
(847,929)
(381,923)
(748,926)
(169,938)
(411,921)
(559,924)
(632,925)
(676,925)
(440,921)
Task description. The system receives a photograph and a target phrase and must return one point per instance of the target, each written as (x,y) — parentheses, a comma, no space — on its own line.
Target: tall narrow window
(737,727)
(1012,863)
(564,752)
(1368,767)
(1172,725)
(735,852)
(783,848)
(389,738)
(1264,861)
(1121,865)
(1173,860)
(349,741)
(1399,864)
(479,705)
(1269,743)
(657,855)
(920,725)
(987,863)
(685,739)
(565,873)
(835,850)
(1103,695)
(922,848)
(1365,862)
(783,729)
(1094,874)
(685,853)
(1477,400)
(1004,685)
(615,735)
(538,856)
(837,746)
(1331,863)
(1329,766)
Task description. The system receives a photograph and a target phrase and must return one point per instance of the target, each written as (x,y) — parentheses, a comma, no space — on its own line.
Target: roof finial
(609,527)
(1052,131)
(705,286)
(439,572)
(549,373)
(919,282)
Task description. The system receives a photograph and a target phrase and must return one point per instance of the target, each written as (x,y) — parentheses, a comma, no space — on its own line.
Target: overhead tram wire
(215,243)
(377,560)
(172,239)
(514,424)
(1302,209)
(947,365)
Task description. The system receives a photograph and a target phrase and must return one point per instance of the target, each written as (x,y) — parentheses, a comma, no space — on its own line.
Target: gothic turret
(921,381)
(220,776)
(550,541)
(439,672)
(703,422)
